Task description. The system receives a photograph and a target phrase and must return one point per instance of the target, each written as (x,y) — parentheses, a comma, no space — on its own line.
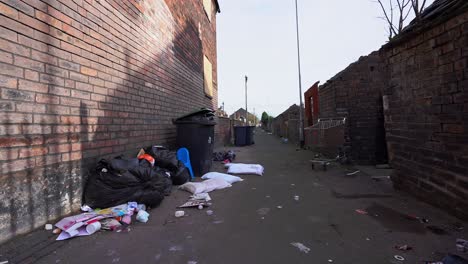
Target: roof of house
(217,6)
(439,12)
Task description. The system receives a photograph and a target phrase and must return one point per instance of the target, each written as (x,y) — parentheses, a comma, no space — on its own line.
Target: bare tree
(397,14)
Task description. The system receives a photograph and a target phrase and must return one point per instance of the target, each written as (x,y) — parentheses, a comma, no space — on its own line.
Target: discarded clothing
(107,187)
(229,178)
(224,155)
(240,168)
(205,186)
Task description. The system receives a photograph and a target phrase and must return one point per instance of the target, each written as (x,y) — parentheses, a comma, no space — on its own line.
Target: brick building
(83,79)
(240,114)
(286,124)
(408,102)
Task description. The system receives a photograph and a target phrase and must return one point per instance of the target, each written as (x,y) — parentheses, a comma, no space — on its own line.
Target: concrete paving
(248,227)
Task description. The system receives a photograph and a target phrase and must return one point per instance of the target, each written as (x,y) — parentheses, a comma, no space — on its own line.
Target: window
(208,76)
(208,5)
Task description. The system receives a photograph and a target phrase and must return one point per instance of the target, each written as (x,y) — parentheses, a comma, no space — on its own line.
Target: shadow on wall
(47,180)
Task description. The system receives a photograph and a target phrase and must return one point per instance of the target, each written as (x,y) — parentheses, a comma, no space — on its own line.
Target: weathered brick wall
(355,93)
(224,131)
(83,79)
(427,114)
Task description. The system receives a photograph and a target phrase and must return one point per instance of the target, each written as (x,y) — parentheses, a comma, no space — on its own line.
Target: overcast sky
(258,38)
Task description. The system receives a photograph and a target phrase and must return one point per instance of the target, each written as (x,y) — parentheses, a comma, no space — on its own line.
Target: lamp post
(246,112)
(301,114)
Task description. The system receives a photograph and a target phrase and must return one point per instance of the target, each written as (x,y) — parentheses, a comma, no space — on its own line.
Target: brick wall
(427,113)
(83,79)
(356,93)
(286,124)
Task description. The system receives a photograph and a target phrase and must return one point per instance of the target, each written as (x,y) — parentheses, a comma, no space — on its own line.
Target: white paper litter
(301,247)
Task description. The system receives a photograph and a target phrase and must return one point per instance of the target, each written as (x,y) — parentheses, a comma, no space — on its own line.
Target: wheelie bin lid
(203,116)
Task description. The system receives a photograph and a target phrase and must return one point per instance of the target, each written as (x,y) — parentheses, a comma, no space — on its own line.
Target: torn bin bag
(106,187)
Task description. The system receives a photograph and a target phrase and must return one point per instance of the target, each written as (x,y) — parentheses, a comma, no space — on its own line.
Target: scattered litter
(368,239)
(218,222)
(142,216)
(200,207)
(201,197)
(462,245)
(268,196)
(254,188)
(86,208)
(296,197)
(360,211)
(229,178)
(110,224)
(352,173)
(57,231)
(403,247)
(48,227)
(436,230)
(192,262)
(301,247)
(284,140)
(193,203)
(209,212)
(93,227)
(4,262)
(176,248)
(400,258)
(330,260)
(263,211)
(240,168)
(224,156)
(320,162)
(292,184)
(179,213)
(279,207)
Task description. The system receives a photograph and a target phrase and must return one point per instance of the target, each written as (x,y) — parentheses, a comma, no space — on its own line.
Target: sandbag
(107,187)
(229,178)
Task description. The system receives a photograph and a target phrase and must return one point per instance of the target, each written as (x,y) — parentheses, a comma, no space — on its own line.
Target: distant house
(241,115)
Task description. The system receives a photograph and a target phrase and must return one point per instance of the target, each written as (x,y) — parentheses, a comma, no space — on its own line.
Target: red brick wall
(311,112)
(427,114)
(356,93)
(82,79)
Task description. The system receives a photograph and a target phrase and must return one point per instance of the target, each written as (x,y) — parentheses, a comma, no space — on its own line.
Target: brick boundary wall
(85,79)
(419,83)
(427,113)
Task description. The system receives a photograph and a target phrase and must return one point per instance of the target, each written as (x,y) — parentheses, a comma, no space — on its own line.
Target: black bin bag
(107,187)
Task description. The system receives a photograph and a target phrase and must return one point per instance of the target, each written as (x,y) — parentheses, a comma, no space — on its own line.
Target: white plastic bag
(240,168)
(229,178)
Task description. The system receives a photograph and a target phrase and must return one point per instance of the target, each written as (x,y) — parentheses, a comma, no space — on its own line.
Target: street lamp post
(301,114)
(246,112)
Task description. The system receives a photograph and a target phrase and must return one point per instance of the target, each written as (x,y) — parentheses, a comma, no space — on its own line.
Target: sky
(257,38)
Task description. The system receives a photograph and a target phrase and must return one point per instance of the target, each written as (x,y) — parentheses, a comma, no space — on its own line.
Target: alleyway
(248,227)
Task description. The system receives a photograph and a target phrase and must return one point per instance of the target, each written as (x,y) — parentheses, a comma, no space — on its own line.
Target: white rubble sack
(229,178)
(240,168)
(205,186)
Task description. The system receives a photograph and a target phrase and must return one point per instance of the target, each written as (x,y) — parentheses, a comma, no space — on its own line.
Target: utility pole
(301,114)
(246,112)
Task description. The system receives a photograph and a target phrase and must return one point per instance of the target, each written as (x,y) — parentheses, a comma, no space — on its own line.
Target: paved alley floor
(248,227)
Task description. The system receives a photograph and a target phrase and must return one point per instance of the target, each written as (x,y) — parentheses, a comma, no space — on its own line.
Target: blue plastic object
(184,157)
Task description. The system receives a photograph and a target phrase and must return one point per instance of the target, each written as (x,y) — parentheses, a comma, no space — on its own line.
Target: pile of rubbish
(224,156)
(125,187)
(113,218)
